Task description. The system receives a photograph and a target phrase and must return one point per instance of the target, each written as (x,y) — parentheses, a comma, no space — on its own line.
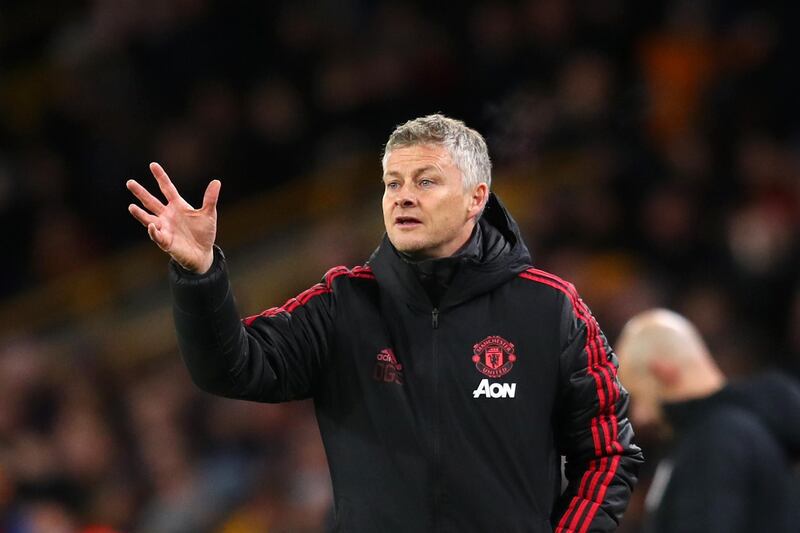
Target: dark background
(649,151)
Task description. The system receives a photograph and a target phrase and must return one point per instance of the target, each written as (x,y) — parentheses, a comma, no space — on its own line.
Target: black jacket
(447,418)
(727,472)
(775,399)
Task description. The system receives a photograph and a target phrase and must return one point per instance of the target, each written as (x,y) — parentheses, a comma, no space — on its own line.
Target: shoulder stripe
(604,426)
(291,304)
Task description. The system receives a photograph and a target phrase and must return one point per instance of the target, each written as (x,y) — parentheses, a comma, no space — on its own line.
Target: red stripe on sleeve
(585,501)
(583,507)
(592,511)
(303,298)
(592,342)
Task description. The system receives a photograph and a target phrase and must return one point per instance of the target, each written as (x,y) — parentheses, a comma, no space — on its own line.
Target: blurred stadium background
(649,151)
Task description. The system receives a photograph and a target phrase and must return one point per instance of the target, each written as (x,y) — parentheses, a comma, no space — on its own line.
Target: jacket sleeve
(272,357)
(592,429)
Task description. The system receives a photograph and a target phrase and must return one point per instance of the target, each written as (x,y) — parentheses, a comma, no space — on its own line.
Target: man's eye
(393,185)
(426,182)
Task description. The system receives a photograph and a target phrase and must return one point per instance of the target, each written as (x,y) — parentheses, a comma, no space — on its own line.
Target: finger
(141,215)
(212,195)
(164,183)
(157,236)
(150,202)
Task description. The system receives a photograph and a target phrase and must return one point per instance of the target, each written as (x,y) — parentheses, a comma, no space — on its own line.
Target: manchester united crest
(494,356)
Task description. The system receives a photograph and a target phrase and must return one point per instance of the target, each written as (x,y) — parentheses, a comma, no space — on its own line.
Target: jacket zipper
(437,488)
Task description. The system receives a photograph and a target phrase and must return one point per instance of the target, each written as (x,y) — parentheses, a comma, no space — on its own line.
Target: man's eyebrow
(424,169)
(417,172)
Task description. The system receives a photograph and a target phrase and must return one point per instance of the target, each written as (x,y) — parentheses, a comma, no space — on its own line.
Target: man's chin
(409,247)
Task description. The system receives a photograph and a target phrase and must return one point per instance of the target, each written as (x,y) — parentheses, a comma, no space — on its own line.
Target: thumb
(157,236)
(212,195)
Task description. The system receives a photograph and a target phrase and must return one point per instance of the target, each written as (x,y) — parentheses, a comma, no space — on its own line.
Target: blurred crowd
(650,150)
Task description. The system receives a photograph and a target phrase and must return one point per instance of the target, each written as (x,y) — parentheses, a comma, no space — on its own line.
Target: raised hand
(185,233)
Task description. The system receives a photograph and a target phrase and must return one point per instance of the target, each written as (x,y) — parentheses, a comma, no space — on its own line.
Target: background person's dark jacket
(410,446)
(727,472)
(775,399)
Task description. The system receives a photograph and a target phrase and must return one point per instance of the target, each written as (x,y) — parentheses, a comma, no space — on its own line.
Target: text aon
(495,390)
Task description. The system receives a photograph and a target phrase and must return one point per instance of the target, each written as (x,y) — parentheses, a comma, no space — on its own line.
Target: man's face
(426,212)
(645,407)
(645,410)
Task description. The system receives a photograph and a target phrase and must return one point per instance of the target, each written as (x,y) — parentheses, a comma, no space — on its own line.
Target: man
(726,471)
(448,375)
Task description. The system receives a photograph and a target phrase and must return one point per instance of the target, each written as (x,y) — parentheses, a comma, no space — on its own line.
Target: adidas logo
(387,368)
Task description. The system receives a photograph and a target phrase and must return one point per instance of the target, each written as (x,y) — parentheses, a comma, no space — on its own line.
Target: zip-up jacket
(450,418)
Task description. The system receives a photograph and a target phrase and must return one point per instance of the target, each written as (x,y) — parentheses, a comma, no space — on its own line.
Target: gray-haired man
(448,375)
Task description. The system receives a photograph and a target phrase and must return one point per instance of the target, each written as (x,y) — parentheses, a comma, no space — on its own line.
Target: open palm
(185,233)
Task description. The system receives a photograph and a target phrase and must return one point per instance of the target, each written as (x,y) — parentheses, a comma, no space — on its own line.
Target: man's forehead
(422,153)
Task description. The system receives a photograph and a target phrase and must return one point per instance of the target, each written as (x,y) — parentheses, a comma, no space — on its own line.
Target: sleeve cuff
(199,294)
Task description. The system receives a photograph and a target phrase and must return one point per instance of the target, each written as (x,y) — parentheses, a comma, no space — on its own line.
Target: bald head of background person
(663,358)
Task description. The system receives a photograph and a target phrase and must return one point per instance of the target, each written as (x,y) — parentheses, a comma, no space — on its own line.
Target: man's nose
(405,199)
(406,202)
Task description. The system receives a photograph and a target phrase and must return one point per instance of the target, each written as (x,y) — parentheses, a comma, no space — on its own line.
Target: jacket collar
(436,275)
(502,255)
(687,413)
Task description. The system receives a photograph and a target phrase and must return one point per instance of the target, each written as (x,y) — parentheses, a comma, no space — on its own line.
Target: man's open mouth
(407,221)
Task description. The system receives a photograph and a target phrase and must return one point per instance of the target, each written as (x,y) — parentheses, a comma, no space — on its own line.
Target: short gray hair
(466,146)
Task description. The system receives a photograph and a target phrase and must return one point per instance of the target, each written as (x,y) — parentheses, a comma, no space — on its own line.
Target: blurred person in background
(729,465)
(424,364)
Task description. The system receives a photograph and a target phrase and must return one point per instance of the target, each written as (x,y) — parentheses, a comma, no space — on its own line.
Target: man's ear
(666,371)
(480,195)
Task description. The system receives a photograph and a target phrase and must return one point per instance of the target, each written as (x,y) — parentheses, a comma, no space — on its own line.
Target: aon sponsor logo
(495,390)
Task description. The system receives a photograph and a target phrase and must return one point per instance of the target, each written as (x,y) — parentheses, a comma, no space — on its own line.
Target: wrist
(198,269)
(206,263)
